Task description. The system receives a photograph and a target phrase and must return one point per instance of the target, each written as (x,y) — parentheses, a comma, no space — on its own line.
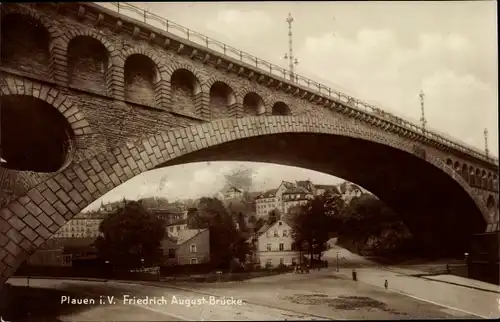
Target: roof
(288,184)
(181,221)
(185,235)
(267,226)
(268,194)
(233,189)
(89,215)
(328,187)
(295,190)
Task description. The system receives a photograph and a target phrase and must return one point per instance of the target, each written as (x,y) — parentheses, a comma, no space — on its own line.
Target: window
(171,229)
(194,260)
(294,261)
(282,247)
(192,249)
(285,233)
(171,253)
(268,234)
(268,247)
(294,246)
(269,262)
(178,228)
(279,223)
(282,261)
(276,233)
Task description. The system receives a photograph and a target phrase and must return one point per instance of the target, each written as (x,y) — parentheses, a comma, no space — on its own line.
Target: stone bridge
(91,98)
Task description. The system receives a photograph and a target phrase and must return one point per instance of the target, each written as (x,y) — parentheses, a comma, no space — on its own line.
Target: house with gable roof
(189,246)
(274,245)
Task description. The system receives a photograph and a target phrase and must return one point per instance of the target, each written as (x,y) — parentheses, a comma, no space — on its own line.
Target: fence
(154,20)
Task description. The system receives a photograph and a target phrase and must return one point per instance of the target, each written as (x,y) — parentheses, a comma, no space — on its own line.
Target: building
(322,188)
(51,253)
(189,246)
(233,193)
(349,191)
(295,196)
(274,245)
(174,229)
(83,225)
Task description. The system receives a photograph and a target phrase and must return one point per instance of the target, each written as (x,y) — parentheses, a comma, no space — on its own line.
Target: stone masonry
(136,97)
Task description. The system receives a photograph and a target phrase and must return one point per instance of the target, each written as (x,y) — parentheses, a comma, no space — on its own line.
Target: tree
(226,242)
(129,235)
(368,217)
(311,226)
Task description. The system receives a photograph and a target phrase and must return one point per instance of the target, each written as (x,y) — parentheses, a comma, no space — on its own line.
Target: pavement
(321,295)
(466,295)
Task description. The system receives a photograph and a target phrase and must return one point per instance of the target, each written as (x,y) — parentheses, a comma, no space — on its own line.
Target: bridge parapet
(318,92)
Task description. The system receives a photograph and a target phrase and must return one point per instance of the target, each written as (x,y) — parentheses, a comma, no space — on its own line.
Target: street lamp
(337,261)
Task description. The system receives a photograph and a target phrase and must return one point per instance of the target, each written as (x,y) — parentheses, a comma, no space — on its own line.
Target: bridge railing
(157,21)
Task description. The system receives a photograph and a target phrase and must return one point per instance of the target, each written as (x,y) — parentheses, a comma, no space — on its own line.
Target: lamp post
(291,60)
(422,118)
(337,261)
(486,142)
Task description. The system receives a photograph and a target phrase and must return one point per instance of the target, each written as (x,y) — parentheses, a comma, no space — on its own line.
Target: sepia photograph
(249,161)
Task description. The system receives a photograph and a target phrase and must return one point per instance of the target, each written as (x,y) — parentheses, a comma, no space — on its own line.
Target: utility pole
(486,142)
(291,60)
(422,118)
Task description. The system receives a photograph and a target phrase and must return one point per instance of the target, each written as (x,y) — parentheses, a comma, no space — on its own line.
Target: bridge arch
(141,74)
(185,88)
(281,108)
(88,61)
(477,178)
(222,100)
(26,42)
(253,104)
(279,139)
(465,172)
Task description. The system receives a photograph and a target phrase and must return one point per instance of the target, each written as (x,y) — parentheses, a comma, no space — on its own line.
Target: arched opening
(472,177)
(495,183)
(25,44)
(431,217)
(141,75)
(34,135)
(184,86)
(484,180)
(465,173)
(449,163)
(478,178)
(280,108)
(88,63)
(253,104)
(490,202)
(456,167)
(221,98)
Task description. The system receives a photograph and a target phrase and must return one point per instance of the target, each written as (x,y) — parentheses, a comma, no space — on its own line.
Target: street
(317,296)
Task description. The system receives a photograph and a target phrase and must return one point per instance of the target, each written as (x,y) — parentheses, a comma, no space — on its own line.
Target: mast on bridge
(291,60)
(486,142)
(422,118)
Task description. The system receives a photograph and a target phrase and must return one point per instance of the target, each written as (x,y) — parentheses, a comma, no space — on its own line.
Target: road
(316,296)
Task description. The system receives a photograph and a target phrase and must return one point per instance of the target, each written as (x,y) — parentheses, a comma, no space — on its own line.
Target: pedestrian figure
(448,270)
(354,275)
(386,284)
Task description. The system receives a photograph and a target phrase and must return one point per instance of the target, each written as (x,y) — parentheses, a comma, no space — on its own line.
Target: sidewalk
(477,302)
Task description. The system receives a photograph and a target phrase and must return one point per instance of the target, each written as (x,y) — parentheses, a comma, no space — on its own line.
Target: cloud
(386,73)
(195,180)
(238,23)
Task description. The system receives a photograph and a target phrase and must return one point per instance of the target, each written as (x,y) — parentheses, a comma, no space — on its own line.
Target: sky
(384,53)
